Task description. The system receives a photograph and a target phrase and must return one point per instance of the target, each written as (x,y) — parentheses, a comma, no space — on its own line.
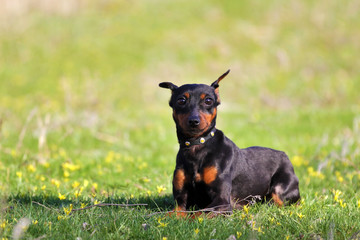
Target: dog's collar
(198,141)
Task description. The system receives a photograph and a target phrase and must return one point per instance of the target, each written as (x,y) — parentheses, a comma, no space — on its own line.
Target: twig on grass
(109,204)
(252,201)
(42,205)
(205,210)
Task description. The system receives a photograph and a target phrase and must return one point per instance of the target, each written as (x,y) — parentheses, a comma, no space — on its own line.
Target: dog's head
(194,106)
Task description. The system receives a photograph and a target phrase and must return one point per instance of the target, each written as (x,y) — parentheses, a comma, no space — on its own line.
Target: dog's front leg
(180,192)
(221,200)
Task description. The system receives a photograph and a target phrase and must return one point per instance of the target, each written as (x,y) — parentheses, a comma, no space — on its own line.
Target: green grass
(82,117)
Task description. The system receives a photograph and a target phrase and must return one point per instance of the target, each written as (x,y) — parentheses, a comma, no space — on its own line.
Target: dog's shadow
(159,203)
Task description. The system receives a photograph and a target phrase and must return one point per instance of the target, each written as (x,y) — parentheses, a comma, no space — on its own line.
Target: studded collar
(198,141)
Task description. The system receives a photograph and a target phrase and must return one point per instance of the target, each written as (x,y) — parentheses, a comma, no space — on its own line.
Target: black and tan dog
(211,171)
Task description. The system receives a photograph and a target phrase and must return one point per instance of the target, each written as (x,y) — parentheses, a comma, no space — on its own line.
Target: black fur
(217,174)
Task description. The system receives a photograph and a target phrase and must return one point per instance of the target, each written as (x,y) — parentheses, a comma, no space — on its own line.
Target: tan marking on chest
(209,174)
(179,179)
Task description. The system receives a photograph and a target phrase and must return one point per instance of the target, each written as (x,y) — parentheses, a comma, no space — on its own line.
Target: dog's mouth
(195,131)
(194,126)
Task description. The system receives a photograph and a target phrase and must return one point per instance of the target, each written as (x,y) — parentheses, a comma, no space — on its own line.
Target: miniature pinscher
(211,171)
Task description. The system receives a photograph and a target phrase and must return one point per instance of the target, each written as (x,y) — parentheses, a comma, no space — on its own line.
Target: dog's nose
(194,121)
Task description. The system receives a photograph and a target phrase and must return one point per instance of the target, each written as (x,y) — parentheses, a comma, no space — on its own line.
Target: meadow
(83,121)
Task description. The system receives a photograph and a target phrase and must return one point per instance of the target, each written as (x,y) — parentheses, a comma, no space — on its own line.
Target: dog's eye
(208,101)
(181,101)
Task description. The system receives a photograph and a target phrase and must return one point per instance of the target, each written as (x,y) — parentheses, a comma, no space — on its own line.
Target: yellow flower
(3,224)
(161,224)
(314,173)
(238,234)
(110,157)
(142,165)
(68,210)
(164,238)
(66,174)
(200,219)
(35,222)
(55,182)
(148,192)
(61,196)
(75,184)
(160,189)
(339,177)
(86,183)
(300,215)
(19,174)
(196,230)
(49,223)
(342,204)
(42,178)
(31,168)
(96,202)
(298,161)
(246,209)
(95,186)
(70,166)
(13,153)
(77,193)
(119,168)
(145,180)
(337,194)
(358,203)
(46,164)
(83,205)
(43,187)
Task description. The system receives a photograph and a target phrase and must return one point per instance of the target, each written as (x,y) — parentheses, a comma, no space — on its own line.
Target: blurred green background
(82,77)
(83,121)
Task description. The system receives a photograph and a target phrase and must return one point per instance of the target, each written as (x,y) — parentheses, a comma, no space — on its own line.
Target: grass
(82,120)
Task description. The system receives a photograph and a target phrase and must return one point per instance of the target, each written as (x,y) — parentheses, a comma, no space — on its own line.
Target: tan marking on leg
(278,202)
(178,211)
(209,174)
(179,179)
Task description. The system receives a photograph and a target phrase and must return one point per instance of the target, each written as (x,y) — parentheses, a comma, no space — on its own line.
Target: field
(83,121)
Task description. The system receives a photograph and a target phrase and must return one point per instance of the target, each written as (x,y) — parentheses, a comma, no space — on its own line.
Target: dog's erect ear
(169,85)
(216,83)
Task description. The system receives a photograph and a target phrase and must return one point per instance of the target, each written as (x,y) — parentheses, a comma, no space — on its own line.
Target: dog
(211,171)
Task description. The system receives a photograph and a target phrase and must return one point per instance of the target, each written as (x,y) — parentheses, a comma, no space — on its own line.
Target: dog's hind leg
(284,187)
